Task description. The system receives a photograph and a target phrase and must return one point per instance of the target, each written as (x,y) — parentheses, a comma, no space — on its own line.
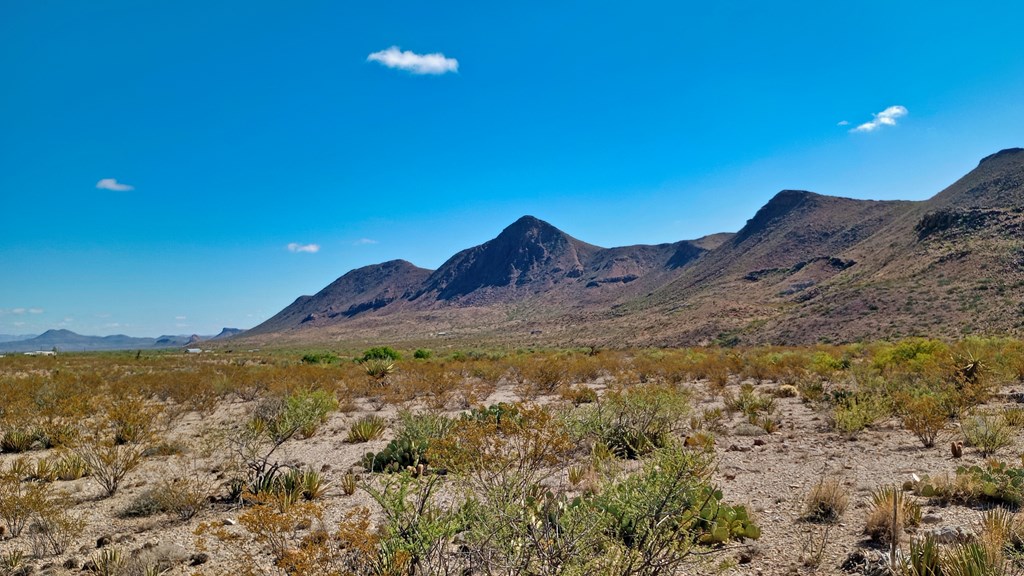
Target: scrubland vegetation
(529,462)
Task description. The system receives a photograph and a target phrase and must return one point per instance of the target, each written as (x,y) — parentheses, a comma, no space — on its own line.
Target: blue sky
(158,159)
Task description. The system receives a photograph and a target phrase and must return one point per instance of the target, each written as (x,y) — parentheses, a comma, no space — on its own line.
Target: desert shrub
(423,426)
(857,412)
(579,394)
(422,354)
(528,446)
(367,428)
(301,412)
(415,531)
(109,463)
(54,529)
(132,419)
(656,517)
(710,420)
(20,501)
(381,353)
(320,358)
(144,504)
(826,501)
(986,432)
(925,417)
(825,365)
(496,412)
(541,375)
(749,403)
(890,512)
(272,522)
(912,355)
(635,421)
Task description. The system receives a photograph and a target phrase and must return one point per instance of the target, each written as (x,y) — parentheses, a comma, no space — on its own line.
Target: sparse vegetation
(562,474)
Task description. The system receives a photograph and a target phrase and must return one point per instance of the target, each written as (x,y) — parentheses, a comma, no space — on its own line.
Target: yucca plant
(973,559)
(924,559)
(366,429)
(889,513)
(108,562)
(11,561)
(17,440)
(379,369)
(348,484)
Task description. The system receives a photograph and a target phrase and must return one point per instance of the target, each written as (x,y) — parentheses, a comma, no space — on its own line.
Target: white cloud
(886,117)
(843,123)
(410,61)
(18,311)
(181,318)
(35,310)
(310,248)
(113,184)
(364,242)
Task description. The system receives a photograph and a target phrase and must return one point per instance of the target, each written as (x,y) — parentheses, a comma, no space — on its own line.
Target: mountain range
(68,341)
(806,268)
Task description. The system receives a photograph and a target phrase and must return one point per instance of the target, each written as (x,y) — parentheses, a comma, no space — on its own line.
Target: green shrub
(987,432)
(320,358)
(423,426)
(924,416)
(658,514)
(635,421)
(422,354)
(301,412)
(856,412)
(381,353)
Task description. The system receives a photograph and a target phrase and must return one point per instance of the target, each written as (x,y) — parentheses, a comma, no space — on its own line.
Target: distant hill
(68,341)
(805,268)
(15,337)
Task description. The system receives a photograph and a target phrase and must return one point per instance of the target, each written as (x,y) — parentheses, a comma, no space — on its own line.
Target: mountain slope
(360,291)
(528,256)
(805,268)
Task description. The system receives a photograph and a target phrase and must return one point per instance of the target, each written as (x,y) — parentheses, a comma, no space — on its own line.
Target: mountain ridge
(806,267)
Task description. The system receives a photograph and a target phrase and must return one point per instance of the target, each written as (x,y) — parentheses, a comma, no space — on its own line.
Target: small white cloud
(181,318)
(35,310)
(886,117)
(19,324)
(18,311)
(309,248)
(113,184)
(843,123)
(410,61)
(364,242)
